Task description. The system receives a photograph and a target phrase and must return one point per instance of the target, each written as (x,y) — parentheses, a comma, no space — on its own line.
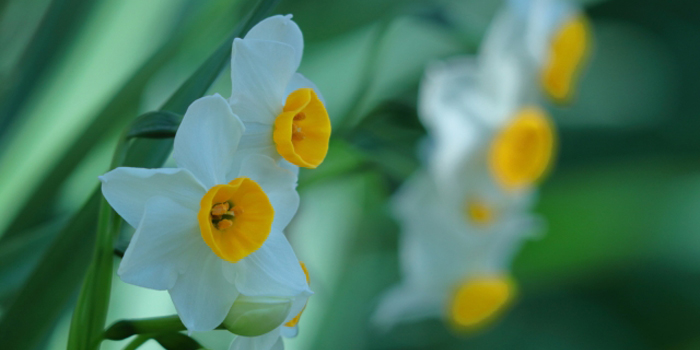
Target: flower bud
(253,316)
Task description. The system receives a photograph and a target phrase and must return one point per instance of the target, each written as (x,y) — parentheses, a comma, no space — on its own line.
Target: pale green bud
(253,316)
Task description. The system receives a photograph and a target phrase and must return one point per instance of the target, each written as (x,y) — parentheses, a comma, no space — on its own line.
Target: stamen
(297,134)
(224,224)
(300,116)
(220,209)
(236,211)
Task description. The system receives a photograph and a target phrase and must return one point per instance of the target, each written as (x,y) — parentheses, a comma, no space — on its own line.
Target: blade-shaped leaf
(155,125)
(71,250)
(58,27)
(49,288)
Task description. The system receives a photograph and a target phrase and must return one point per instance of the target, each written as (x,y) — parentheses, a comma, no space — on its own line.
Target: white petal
(207,140)
(298,82)
(278,183)
(279,345)
(444,88)
(167,233)
(544,17)
(289,166)
(272,270)
(260,72)
(405,304)
(128,189)
(202,295)
(257,140)
(298,305)
(282,29)
(267,341)
(289,332)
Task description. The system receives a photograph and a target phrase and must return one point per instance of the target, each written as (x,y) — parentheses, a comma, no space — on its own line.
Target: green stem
(157,325)
(90,313)
(138,341)
(127,328)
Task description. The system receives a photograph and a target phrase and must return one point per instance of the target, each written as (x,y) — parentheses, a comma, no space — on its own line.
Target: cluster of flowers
(466,214)
(210,231)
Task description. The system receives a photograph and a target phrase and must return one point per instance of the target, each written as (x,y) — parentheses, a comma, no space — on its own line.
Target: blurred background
(619,267)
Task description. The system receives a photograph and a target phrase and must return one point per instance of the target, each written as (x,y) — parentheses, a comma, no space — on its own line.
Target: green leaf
(137,342)
(155,125)
(20,256)
(59,26)
(177,341)
(127,328)
(115,115)
(43,297)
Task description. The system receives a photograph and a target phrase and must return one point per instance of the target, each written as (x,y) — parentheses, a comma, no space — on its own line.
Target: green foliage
(155,125)
(616,268)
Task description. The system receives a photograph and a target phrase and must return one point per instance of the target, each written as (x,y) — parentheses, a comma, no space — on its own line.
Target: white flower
(283,112)
(464,218)
(273,339)
(482,126)
(551,37)
(452,265)
(210,229)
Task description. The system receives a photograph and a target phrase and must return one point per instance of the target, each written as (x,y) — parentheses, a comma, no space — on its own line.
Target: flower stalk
(127,328)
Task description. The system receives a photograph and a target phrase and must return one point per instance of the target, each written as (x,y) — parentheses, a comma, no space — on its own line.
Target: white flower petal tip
(202,295)
(160,245)
(272,270)
(207,138)
(260,72)
(280,28)
(406,303)
(128,189)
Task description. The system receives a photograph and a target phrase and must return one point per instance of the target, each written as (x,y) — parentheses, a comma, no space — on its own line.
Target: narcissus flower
(210,229)
(482,126)
(454,258)
(465,216)
(551,36)
(272,340)
(284,113)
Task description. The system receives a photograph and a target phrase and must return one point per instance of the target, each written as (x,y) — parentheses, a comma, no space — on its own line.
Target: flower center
(479,212)
(479,300)
(521,153)
(303,129)
(293,322)
(235,219)
(568,50)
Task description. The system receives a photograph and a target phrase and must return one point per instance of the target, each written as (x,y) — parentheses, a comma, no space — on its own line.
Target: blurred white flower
(465,216)
(454,255)
(483,127)
(283,112)
(210,229)
(551,38)
(289,328)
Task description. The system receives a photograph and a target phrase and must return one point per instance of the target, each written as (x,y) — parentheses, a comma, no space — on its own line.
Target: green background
(618,268)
